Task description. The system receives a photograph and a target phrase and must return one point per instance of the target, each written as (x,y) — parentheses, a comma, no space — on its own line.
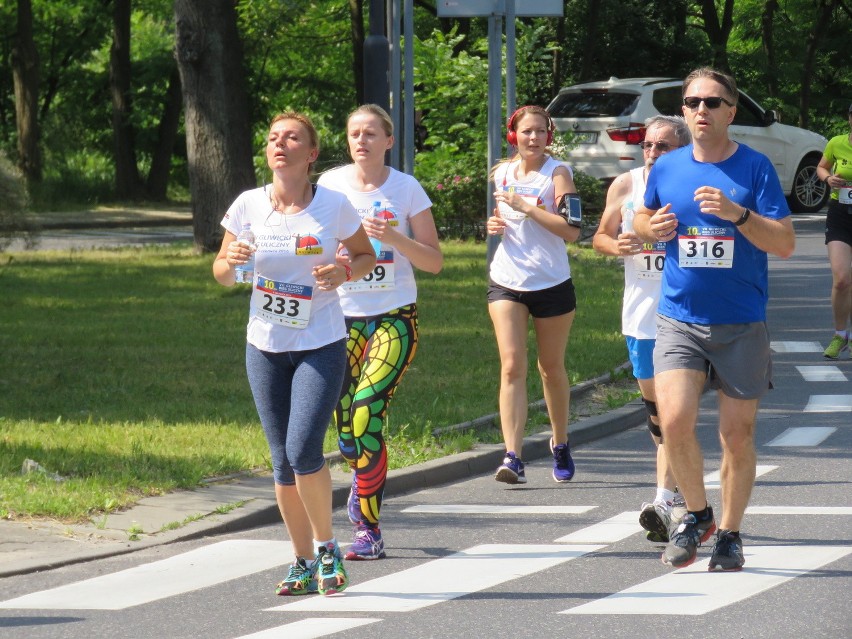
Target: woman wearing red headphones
(530,276)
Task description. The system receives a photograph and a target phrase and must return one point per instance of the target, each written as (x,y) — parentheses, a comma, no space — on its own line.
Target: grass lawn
(123,371)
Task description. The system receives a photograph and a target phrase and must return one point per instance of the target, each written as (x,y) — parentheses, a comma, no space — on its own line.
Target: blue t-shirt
(713,274)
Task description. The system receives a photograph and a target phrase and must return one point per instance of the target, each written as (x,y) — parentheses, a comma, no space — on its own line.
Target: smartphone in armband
(570,207)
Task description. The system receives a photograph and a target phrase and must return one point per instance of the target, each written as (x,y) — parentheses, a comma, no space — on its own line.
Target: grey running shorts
(735,356)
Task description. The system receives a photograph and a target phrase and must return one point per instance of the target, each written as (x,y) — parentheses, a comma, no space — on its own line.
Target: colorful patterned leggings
(380,349)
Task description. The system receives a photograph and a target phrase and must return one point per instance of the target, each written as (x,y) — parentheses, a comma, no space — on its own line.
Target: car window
(748,114)
(594,105)
(668,100)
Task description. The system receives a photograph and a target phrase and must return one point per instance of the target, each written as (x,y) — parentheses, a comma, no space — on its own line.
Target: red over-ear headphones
(512,135)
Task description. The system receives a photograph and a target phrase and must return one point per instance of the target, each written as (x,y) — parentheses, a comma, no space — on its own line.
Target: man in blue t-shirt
(719,207)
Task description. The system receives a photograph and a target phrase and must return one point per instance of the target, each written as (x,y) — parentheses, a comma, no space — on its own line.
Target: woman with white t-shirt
(530,276)
(296,346)
(380,310)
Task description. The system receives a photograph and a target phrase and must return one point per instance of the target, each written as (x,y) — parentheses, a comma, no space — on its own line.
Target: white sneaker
(656,518)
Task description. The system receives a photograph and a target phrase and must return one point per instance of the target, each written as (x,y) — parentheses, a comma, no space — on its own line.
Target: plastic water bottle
(244,273)
(377,243)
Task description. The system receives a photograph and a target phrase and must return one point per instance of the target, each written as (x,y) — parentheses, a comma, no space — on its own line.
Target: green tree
(218,127)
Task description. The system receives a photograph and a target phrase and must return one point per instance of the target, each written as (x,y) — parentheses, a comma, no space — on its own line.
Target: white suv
(607,123)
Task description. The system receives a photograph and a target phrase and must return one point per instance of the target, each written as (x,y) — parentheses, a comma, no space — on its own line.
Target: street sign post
(486,8)
(495,11)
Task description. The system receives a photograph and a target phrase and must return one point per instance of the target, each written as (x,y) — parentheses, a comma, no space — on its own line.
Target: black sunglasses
(712,103)
(662,147)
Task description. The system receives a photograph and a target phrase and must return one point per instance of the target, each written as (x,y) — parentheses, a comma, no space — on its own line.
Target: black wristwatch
(743,218)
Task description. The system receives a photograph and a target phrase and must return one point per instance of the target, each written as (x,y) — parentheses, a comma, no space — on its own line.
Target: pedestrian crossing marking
(199,568)
(608,531)
(796,347)
(829,404)
(441,580)
(496,509)
(803,436)
(821,374)
(712,480)
(695,591)
(799,510)
(311,628)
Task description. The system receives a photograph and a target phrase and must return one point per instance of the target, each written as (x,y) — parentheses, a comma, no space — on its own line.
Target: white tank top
(642,273)
(529,257)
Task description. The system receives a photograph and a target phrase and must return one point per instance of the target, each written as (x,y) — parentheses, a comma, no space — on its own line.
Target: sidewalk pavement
(105,217)
(244,501)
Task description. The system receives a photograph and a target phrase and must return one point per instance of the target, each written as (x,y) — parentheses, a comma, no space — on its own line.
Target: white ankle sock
(664,494)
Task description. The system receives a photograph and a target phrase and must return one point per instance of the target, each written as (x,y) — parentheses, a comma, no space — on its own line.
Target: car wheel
(809,193)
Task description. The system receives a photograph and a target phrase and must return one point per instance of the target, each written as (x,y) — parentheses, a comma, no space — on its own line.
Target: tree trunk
(216,116)
(25,76)
(161,161)
(718,31)
(127,181)
(590,46)
(557,59)
(767,24)
(356,19)
(815,35)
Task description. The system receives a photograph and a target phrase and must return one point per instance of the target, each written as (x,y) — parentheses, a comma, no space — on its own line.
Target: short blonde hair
(379,112)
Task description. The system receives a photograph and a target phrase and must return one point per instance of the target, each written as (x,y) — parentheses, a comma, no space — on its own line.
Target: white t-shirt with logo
(391,284)
(529,257)
(287,311)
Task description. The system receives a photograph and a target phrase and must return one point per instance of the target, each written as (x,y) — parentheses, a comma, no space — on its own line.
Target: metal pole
(495,121)
(395,80)
(408,102)
(376,89)
(511,90)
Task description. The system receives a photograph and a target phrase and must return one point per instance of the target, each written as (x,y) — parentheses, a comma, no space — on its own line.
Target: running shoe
(727,552)
(353,504)
(563,465)
(368,544)
(512,470)
(300,580)
(331,575)
(656,518)
(836,346)
(686,538)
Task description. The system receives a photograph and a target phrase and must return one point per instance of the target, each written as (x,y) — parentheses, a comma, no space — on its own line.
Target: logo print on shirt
(308,245)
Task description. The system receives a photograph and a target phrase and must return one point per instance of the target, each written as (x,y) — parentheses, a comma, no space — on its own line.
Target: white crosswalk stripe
(803,436)
(711,480)
(205,566)
(443,579)
(496,509)
(829,404)
(608,531)
(821,374)
(695,591)
(796,347)
(311,628)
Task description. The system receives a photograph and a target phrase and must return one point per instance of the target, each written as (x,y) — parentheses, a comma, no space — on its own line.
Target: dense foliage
(789,55)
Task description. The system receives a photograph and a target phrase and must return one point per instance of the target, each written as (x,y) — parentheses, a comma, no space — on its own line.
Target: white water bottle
(244,273)
(377,243)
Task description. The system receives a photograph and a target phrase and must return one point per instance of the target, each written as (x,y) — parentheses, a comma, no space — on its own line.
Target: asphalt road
(476,558)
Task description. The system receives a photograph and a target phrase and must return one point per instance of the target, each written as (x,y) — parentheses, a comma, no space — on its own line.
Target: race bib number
(650,262)
(381,278)
(844,194)
(282,302)
(528,193)
(706,247)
